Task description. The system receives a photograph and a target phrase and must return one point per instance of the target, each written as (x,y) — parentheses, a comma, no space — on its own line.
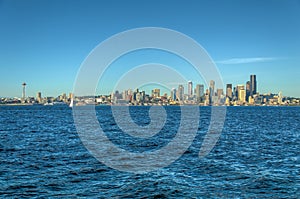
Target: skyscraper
(211,90)
(242,95)
(201,90)
(180,91)
(190,88)
(219,93)
(128,95)
(229,91)
(248,90)
(238,93)
(156,93)
(253,85)
(173,94)
(198,92)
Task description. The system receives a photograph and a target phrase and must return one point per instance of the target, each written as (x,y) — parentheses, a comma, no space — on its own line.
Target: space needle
(24,92)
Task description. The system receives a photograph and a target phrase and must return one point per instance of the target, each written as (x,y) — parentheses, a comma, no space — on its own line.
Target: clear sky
(44,42)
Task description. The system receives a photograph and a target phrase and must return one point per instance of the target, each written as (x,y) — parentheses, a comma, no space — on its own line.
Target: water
(257,156)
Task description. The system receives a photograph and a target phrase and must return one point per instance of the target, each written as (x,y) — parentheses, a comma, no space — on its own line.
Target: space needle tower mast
(24,92)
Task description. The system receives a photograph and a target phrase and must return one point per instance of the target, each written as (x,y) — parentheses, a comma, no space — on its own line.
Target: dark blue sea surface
(257,156)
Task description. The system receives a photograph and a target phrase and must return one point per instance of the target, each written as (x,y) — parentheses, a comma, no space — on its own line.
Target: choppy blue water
(257,156)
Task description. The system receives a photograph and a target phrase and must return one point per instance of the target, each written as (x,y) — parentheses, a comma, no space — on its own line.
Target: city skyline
(239,95)
(188,89)
(44,43)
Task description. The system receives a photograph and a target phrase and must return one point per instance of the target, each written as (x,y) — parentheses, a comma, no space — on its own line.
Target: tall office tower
(234,93)
(118,95)
(238,88)
(156,93)
(248,90)
(219,93)
(253,85)
(190,88)
(39,97)
(24,92)
(201,90)
(180,94)
(173,94)
(242,95)
(129,95)
(212,88)
(198,91)
(143,96)
(138,96)
(229,91)
(134,95)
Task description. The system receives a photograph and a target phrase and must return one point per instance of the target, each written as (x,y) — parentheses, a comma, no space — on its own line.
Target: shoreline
(292,105)
(16,104)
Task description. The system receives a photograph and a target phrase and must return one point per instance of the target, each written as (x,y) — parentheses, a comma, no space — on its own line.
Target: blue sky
(44,42)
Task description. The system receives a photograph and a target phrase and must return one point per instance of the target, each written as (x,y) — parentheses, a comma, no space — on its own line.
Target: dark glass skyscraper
(253,86)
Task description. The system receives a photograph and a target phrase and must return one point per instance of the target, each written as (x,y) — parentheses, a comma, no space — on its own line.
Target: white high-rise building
(242,95)
(180,93)
(280,97)
(199,91)
(190,88)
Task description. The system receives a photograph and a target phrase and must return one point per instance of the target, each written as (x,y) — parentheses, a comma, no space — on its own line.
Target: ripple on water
(256,156)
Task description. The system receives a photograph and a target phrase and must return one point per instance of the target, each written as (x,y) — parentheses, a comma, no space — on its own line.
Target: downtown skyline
(238,95)
(44,43)
(185,94)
